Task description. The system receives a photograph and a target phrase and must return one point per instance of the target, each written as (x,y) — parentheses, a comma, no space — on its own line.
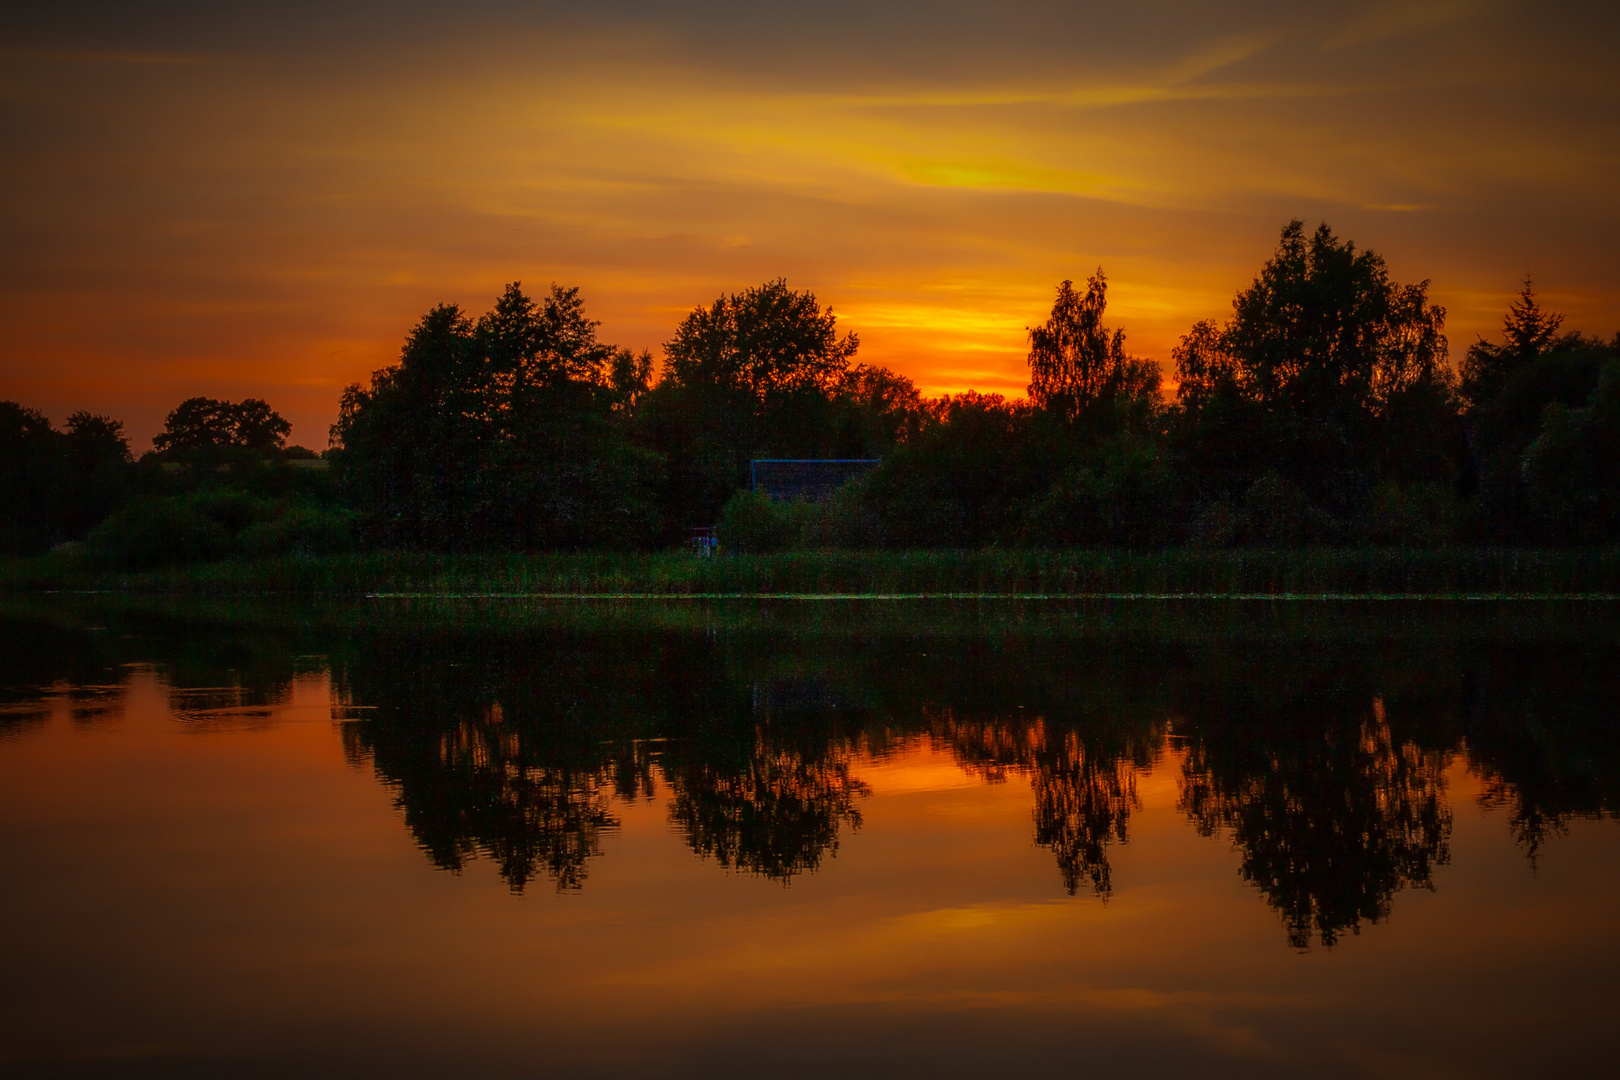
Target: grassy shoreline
(1179,572)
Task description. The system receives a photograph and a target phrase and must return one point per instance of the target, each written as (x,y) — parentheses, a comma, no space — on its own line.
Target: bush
(300,530)
(753,523)
(1411,515)
(1121,496)
(1276,513)
(1569,470)
(848,520)
(157,532)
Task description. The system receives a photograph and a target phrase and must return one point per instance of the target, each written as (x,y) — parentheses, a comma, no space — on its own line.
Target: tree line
(1324,410)
(220,480)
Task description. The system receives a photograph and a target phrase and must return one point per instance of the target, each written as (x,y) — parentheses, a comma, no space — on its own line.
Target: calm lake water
(808,838)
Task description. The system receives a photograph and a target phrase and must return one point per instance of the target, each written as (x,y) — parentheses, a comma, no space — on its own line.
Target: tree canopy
(764,342)
(499,433)
(1078,369)
(202,423)
(1322,352)
(1322,410)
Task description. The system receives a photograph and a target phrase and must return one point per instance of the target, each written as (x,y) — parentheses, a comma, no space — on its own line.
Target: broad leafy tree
(500,433)
(764,373)
(1541,438)
(1324,362)
(204,424)
(55,485)
(1078,369)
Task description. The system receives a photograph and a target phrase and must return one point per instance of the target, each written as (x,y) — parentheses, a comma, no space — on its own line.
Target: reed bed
(1177,572)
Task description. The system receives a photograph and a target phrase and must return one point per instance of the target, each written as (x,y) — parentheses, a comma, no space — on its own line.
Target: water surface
(665,838)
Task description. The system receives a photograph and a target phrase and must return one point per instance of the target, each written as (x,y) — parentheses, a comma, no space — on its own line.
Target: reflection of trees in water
(211,705)
(506,748)
(1083,802)
(43,660)
(1546,750)
(1331,812)
(22,713)
(94,704)
(1084,781)
(1331,819)
(767,805)
(473,788)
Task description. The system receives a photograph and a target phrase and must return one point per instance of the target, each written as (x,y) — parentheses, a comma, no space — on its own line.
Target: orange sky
(214,199)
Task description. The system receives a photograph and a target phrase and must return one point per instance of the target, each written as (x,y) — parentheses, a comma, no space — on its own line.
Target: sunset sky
(239,199)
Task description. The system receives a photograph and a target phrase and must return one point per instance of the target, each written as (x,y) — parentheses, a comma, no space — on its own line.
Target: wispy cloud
(93,56)
(1397,18)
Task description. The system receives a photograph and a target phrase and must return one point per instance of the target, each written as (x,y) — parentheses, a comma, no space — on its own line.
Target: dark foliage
(204,424)
(1324,411)
(1078,370)
(55,485)
(510,432)
(764,374)
(1541,462)
(1328,378)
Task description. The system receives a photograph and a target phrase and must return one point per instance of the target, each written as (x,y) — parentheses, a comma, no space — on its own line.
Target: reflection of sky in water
(820,845)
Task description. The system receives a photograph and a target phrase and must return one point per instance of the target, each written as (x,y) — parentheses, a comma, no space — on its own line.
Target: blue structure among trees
(805,479)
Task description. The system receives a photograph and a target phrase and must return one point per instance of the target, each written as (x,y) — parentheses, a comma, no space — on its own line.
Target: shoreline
(1320,574)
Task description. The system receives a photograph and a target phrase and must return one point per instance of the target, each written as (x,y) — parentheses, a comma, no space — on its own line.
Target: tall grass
(1170,572)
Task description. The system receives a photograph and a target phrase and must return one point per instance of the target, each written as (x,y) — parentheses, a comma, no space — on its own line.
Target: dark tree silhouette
(504,433)
(1324,361)
(1527,333)
(763,343)
(55,485)
(201,423)
(1541,410)
(30,470)
(1078,369)
(755,374)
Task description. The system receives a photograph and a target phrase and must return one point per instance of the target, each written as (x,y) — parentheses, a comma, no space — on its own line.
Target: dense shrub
(213,523)
(754,524)
(1572,469)
(158,532)
(1121,496)
(300,530)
